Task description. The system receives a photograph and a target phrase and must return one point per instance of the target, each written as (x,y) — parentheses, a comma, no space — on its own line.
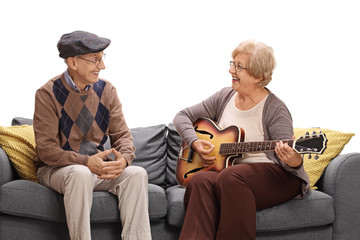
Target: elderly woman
(222,205)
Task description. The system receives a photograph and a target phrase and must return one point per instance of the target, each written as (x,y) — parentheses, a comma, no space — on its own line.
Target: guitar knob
(309,157)
(316,157)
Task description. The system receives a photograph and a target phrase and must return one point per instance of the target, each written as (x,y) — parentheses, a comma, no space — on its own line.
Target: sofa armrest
(7,173)
(341,180)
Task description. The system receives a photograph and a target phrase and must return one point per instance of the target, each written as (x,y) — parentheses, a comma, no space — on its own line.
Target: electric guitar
(229,145)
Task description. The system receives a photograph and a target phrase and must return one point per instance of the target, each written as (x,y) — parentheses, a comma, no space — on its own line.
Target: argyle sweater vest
(75,125)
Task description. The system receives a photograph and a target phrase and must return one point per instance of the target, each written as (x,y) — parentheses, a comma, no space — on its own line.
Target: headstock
(311,143)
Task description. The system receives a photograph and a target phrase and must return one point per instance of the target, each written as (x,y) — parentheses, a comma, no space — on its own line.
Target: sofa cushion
(150,143)
(176,210)
(315,209)
(173,145)
(28,199)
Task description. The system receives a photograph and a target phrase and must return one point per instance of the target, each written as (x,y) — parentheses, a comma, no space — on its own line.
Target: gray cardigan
(277,124)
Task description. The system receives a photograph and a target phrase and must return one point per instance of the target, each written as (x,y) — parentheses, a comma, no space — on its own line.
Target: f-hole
(203,132)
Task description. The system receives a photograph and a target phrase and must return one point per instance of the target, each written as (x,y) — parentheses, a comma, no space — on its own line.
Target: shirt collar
(71,83)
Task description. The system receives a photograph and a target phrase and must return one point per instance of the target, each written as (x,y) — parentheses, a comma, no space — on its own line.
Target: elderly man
(75,113)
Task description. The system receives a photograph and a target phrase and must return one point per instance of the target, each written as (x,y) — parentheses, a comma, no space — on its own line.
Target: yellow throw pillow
(18,142)
(335,143)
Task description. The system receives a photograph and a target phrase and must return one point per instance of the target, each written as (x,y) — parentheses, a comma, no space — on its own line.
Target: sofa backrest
(21,121)
(151,153)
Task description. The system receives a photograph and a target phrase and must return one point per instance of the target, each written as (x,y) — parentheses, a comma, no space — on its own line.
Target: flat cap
(79,43)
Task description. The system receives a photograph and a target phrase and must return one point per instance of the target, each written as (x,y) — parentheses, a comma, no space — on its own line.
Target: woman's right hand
(204,149)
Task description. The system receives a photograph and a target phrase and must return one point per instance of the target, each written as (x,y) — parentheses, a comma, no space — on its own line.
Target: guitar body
(189,162)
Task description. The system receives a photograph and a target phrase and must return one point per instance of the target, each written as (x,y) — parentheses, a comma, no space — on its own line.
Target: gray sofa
(31,211)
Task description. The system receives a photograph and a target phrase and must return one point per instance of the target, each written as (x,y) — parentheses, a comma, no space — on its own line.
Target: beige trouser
(77,184)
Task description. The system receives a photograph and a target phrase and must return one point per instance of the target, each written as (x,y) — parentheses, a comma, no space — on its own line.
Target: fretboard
(250,147)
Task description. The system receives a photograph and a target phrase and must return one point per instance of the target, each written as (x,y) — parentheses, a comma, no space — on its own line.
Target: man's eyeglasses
(238,68)
(96,61)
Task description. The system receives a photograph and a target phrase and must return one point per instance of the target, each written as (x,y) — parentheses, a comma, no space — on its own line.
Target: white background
(166,55)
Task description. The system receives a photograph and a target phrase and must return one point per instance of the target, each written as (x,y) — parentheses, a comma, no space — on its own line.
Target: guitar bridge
(190,154)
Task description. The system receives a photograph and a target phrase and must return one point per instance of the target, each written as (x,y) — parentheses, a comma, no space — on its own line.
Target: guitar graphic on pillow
(229,145)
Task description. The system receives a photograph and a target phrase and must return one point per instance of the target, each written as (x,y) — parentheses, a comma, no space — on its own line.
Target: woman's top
(251,122)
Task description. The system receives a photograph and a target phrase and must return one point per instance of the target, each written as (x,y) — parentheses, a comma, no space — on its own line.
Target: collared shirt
(71,82)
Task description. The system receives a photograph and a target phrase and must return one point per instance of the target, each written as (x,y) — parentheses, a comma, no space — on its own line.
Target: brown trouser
(223,205)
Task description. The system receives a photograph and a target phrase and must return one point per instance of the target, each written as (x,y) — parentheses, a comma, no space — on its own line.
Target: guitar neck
(250,147)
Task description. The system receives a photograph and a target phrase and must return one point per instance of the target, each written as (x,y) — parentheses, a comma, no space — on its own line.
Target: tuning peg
(315,134)
(320,133)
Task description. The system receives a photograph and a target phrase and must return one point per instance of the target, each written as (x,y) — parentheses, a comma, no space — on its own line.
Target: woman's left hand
(287,155)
